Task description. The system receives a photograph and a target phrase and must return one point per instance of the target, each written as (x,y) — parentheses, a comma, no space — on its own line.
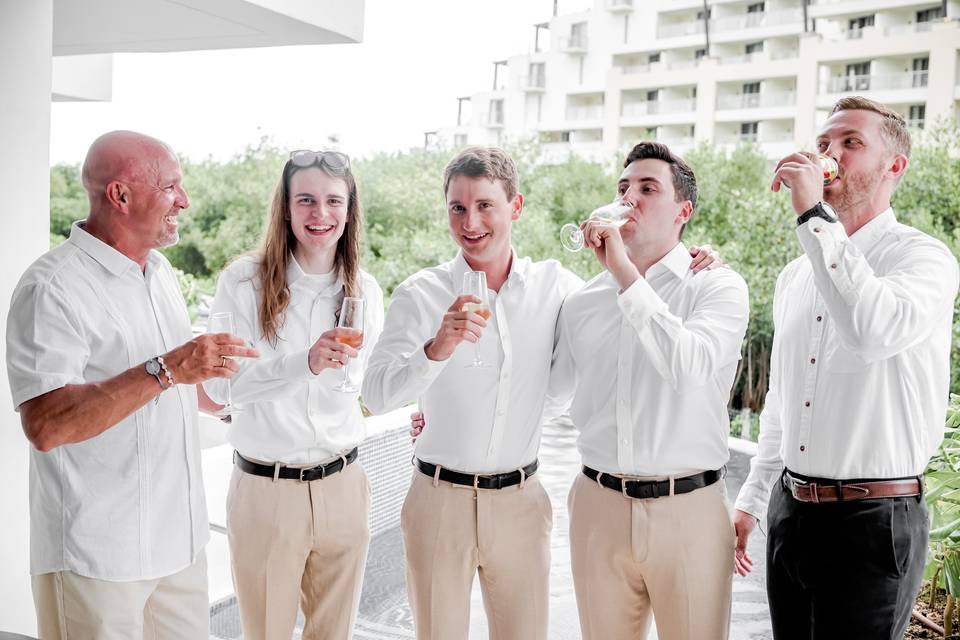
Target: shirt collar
(111,259)
(518,269)
(295,272)
(866,236)
(676,261)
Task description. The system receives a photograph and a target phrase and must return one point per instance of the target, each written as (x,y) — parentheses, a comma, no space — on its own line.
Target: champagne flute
(222,322)
(475,284)
(615,213)
(351,317)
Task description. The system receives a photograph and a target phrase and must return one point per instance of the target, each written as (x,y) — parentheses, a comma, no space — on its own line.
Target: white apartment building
(727,71)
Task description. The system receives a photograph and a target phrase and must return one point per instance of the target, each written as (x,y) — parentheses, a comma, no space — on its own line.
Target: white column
(26,40)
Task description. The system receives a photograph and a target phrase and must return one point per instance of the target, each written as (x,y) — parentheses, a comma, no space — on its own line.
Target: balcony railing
(574,44)
(900,29)
(493,120)
(628,69)
(679,29)
(652,107)
(759,19)
(533,83)
(877,82)
(619,5)
(757,100)
(585,112)
(917,123)
(682,64)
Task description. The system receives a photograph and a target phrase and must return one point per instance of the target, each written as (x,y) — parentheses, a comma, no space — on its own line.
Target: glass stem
(346,375)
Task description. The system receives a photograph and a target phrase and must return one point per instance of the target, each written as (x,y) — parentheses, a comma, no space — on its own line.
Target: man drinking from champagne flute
(650,352)
(475,504)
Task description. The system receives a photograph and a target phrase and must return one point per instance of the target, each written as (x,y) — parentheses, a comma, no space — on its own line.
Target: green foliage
(943,500)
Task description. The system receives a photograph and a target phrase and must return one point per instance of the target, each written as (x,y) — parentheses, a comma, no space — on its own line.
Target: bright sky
(416,58)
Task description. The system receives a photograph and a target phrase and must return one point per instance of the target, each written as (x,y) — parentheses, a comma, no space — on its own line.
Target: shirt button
(813,361)
(802,448)
(833,266)
(816,229)
(819,318)
(807,403)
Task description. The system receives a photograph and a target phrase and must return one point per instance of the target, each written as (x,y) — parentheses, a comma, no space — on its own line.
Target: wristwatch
(819,210)
(157,368)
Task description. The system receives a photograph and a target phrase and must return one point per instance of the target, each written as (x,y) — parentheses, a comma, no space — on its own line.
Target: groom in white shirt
(859,379)
(651,350)
(475,504)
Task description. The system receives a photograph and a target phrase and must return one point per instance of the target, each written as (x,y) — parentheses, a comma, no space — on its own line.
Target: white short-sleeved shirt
(290,414)
(127,504)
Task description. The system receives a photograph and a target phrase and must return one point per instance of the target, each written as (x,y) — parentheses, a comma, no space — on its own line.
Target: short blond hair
(484,162)
(894,127)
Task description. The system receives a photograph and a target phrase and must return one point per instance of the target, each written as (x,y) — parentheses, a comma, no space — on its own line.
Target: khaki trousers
(73,607)
(452,532)
(672,556)
(296,541)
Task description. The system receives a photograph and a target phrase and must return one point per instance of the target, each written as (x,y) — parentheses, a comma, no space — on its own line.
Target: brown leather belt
(823,490)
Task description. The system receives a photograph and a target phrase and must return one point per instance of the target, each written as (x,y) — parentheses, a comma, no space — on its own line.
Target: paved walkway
(385,615)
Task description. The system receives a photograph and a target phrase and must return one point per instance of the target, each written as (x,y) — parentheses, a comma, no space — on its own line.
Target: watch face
(153,367)
(829,210)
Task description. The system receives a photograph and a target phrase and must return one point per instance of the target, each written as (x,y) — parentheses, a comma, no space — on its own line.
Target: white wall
(26,38)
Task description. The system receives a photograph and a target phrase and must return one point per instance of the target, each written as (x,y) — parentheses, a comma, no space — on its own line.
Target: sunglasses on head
(333,160)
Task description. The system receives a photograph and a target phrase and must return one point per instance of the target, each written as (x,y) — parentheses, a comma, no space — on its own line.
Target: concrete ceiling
(113,26)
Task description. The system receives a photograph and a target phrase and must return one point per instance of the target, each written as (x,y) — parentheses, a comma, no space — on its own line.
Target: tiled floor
(385,615)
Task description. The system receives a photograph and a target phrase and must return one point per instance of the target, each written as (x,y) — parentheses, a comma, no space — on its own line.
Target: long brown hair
(278,243)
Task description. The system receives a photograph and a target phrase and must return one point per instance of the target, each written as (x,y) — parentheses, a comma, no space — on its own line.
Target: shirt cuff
(754,499)
(639,302)
(296,366)
(423,367)
(825,242)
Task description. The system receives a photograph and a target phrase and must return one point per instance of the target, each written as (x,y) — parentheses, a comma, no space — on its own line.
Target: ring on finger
(223,361)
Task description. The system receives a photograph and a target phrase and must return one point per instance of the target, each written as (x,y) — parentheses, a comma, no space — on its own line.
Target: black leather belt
(307,474)
(643,489)
(479,481)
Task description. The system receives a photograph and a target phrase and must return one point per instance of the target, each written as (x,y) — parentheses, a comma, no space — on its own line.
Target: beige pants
(296,541)
(72,607)
(452,532)
(672,556)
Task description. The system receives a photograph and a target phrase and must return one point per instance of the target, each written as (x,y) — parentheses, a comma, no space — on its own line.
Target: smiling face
(481,217)
(156,199)
(318,213)
(854,138)
(657,217)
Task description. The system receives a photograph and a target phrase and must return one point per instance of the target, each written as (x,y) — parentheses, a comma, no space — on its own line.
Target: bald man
(104,374)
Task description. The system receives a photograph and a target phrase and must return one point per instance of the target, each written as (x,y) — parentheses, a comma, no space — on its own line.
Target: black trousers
(844,569)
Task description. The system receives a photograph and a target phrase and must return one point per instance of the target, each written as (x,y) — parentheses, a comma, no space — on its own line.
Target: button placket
(624,422)
(810,376)
(503,387)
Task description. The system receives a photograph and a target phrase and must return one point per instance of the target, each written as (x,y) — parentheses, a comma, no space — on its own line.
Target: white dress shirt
(127,504)
(653,366)
(479,420)
(289,414)
(860,368)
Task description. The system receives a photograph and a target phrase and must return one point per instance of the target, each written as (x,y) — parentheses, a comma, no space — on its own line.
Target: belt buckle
(476,480)
(623,487)
(323,472)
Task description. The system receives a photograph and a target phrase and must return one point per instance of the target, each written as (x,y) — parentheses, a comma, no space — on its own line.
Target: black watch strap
(816,211)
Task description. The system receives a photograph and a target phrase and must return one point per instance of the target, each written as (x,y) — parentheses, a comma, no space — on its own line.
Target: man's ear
(517,205)
(898,166)
(118,195)
(685,212)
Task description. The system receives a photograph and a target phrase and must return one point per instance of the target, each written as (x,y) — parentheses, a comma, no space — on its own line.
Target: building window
(929,15)
(699,53)
(753,47)
(654,57)
(709,14)
(755,7)
(748,131)
(578,35)
(564,136)
(856,26)
(653,96)
(751,95)
(460,140)
(920,71)
(918,114)
(537,74)
(495,114)
(858,77)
